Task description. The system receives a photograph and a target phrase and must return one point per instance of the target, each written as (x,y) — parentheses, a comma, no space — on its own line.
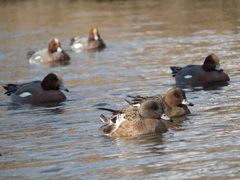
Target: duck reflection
(206,87)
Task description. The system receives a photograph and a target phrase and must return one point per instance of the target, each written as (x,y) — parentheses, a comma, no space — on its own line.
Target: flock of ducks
(144,115)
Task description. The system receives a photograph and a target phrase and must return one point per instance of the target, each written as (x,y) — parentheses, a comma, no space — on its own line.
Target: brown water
(143,39)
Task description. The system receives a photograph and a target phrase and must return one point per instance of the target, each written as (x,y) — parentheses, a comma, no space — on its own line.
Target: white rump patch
(25,94)
(188,76)
(78,45)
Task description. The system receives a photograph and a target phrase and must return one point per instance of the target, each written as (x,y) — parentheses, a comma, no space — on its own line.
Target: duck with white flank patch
(36,92)
(51,54)
(209,72)
(92,42)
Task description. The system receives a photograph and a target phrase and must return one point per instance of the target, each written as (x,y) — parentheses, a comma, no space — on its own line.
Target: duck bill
(96,38)
(165,117)
(62,87)
(218,68)
(187,103)
(59,49)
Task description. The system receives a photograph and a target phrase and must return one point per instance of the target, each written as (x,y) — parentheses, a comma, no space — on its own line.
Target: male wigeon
(92,42)
(53,53)
(36,92)
(209,72)
(133,121)
(174,102)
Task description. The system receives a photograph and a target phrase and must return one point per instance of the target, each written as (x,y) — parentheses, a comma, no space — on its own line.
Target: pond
(143,38)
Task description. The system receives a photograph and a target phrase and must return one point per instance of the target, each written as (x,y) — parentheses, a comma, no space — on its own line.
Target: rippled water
(143,39)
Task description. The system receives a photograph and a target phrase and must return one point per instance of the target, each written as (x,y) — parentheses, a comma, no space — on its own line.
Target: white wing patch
(25,94)
(37,57)
(188,76)
(136,105)
(120,119)
(78,45)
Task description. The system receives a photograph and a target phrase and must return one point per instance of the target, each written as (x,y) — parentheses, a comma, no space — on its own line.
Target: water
(143,39)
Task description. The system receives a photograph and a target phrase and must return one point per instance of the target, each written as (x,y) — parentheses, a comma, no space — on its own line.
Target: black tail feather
(104,118)
(129,102)
(175,70)
(30,53)
(72,41)
(111,110)
(107,129)
(137,99)
(10,88)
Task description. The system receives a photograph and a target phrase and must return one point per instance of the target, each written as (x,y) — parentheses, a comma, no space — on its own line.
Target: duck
(47,90)
(174,102)
(92,42)
(53,53)
(132,121)
(209,72)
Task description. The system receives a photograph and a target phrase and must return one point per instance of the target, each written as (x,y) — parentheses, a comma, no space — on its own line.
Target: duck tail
(111,110)
(30,54)
(175,70)
(72,41)
(10,88)
(136,100)
(108,128)
(104,118)
(134,103)
(129,102)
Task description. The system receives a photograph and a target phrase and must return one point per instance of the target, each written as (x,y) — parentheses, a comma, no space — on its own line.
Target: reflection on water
(143,38)
(208,86)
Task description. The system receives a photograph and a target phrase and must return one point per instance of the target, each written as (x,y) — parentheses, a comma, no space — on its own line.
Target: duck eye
(176,95)
(211,62)
(53,79)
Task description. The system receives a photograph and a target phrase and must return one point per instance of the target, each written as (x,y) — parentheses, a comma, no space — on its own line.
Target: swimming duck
(133,121)
(53,53)
(209,72)
(92,42)
(174,102)
(35,92)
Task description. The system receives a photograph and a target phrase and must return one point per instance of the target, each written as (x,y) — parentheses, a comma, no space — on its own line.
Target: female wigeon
(174,102)
(53,53)
(209,72)
(36,92)
(133,121)
(92,42)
